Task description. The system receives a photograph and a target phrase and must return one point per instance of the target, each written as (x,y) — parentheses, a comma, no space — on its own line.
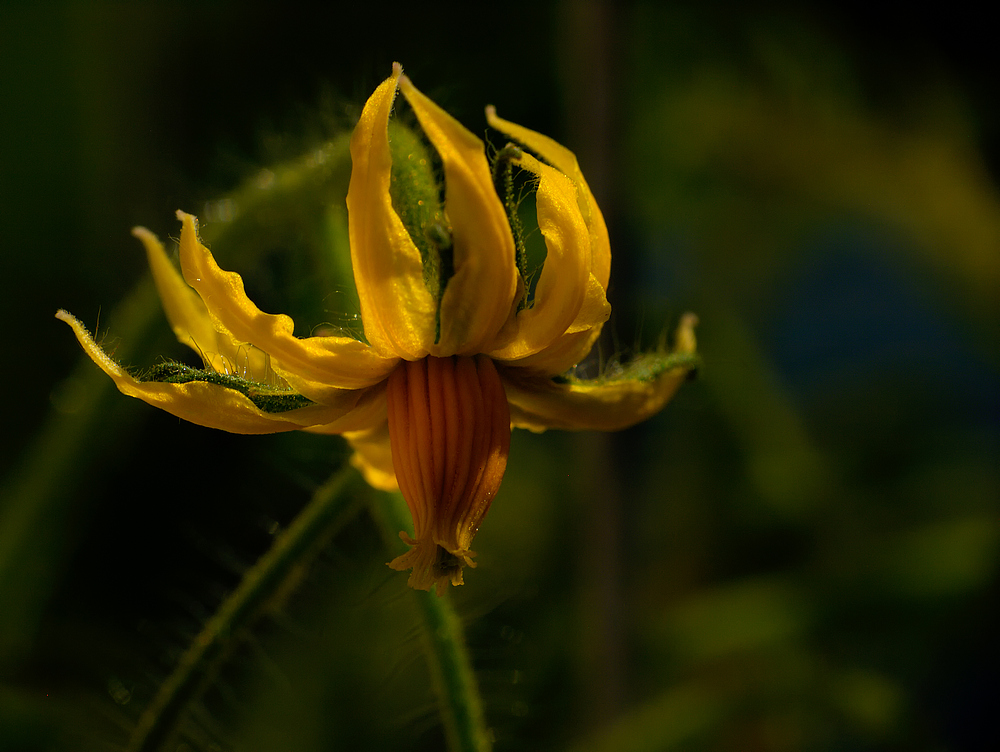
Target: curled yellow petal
(607,404)
(565,161)
(317,367)
(479,296)
(397,310)
(189,318)
(207,404)
(568,298)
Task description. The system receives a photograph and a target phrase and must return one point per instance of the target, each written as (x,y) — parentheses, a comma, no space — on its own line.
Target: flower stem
(455,683)
(326,512)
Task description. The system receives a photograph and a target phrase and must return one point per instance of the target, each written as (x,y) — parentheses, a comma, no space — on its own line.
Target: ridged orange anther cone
(449,429)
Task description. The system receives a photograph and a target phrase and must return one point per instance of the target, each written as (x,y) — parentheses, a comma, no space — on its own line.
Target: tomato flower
(456,351)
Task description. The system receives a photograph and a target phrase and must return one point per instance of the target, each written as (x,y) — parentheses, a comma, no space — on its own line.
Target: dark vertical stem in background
(586,61)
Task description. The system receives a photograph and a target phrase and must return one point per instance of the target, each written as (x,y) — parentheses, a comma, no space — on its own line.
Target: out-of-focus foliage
(799,553)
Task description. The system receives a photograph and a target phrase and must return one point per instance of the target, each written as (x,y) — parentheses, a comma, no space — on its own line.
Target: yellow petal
(561,355)
(207,404)
(368,413)
(190,320)
(479,296)
(317,367)
(397,310)
(373,456)
(568,298)
(605,404)
(564,160)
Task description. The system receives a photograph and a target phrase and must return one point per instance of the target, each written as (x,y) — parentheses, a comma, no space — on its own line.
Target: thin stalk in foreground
(327,511)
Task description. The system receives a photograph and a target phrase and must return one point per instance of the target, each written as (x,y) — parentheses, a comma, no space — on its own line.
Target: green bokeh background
(799,553)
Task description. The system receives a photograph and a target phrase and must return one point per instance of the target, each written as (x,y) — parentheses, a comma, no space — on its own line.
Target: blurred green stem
(328,510)
(461,706)
(38,502)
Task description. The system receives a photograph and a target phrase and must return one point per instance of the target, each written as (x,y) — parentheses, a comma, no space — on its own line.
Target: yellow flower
(456,355)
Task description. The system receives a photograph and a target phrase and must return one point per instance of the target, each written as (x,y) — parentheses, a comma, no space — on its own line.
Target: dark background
(799,553)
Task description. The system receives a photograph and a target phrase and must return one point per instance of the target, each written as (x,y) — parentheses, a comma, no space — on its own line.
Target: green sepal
(644,367)
(417,197)
(503,181)
(269,399)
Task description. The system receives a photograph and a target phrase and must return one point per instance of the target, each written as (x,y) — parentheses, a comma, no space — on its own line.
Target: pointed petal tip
(494,120)
(190,227)
(149,241)
(399,77)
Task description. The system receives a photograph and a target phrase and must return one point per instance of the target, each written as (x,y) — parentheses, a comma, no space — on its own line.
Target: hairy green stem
(328,510)
(454,680)
(460,704)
